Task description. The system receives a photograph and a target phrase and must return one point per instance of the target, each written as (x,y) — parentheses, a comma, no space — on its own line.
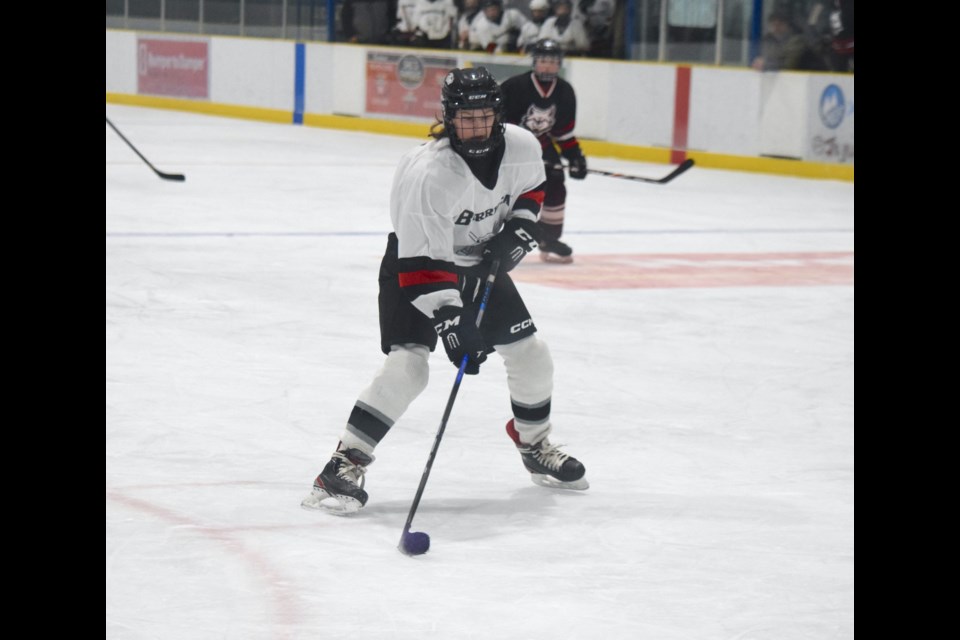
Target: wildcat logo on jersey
(540,121)
(467,216)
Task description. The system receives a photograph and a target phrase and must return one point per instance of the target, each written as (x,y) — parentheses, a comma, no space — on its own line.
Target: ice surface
(704,351)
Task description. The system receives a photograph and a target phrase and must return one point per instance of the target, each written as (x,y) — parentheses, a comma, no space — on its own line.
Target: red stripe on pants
(413,278)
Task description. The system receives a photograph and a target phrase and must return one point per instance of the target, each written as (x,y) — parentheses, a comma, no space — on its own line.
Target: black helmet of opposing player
(550,50)
(472,88)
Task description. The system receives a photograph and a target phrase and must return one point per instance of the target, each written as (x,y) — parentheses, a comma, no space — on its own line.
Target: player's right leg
(552,249)
(407,337)
(339,486)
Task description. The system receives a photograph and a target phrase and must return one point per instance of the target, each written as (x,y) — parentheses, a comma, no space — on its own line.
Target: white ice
(715,422)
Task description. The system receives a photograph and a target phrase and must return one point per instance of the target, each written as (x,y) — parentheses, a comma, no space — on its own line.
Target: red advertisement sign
(406,85)
(173,68)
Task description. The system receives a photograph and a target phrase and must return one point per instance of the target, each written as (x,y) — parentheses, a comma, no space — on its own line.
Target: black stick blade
(683,166)
(175,177)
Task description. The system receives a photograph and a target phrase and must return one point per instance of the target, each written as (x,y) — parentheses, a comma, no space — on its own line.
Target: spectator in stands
(841,27)
(785,48)
(496,29)
(433,22)
(597,16)
(405,29)
(565,29)
(470,10)
(530,33)
(366,21)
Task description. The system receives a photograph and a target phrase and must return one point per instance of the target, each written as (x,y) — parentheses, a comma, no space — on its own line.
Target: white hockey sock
(530,381)
(403,377)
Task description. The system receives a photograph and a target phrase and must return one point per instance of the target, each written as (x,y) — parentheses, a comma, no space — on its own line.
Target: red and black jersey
(550,112)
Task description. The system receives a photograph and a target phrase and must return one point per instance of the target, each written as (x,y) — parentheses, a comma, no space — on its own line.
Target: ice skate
(548,466)
(339,487)
(556,252)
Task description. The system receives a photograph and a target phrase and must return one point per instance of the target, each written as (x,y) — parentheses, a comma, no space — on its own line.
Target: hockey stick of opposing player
(414,543)
(683,166)
(176,177)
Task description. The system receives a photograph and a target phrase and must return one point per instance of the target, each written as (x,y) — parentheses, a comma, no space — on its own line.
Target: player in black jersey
(546,104)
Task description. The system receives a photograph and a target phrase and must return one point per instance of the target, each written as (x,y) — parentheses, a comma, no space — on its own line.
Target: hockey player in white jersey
(566,29)
(434,21)
(530,33)
(470,195)
(495,29)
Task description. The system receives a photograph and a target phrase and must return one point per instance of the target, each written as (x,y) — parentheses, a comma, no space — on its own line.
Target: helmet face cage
(472,88)
(546,48)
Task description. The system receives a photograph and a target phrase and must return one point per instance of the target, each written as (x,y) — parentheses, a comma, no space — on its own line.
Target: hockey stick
(683,166)
(176,177)
(416,543)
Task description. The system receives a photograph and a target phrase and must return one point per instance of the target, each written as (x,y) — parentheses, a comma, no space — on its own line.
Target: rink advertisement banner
(830,119)
(405,85)
(178,68)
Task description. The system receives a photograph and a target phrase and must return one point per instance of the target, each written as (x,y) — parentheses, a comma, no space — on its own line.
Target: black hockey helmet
(546,48)
(472,88)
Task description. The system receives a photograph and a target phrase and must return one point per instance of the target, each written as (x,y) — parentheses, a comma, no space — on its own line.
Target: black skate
(339,487)
(556,252)
(548,466)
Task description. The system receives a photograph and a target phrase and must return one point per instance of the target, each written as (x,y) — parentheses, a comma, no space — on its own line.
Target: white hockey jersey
(598,14)
(572,38)
(434,18)
(529,35)
(496,37)
(405,9)
(442,213)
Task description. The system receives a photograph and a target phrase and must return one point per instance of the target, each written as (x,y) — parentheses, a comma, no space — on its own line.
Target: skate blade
(552,483)
(553,258)
(320,500)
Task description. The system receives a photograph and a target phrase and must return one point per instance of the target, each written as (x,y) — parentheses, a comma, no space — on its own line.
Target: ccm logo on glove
(460,337)
(516,239)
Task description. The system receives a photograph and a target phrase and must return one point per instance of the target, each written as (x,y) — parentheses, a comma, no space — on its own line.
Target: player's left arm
(519,234)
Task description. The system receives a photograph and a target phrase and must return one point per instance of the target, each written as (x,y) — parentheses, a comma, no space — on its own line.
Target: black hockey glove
(578,164)
(460,336)
(517,238)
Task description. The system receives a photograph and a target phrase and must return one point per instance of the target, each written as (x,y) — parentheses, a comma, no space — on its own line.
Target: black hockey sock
(549,232)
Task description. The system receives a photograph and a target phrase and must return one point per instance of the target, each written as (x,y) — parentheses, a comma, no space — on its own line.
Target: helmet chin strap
(478,148)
